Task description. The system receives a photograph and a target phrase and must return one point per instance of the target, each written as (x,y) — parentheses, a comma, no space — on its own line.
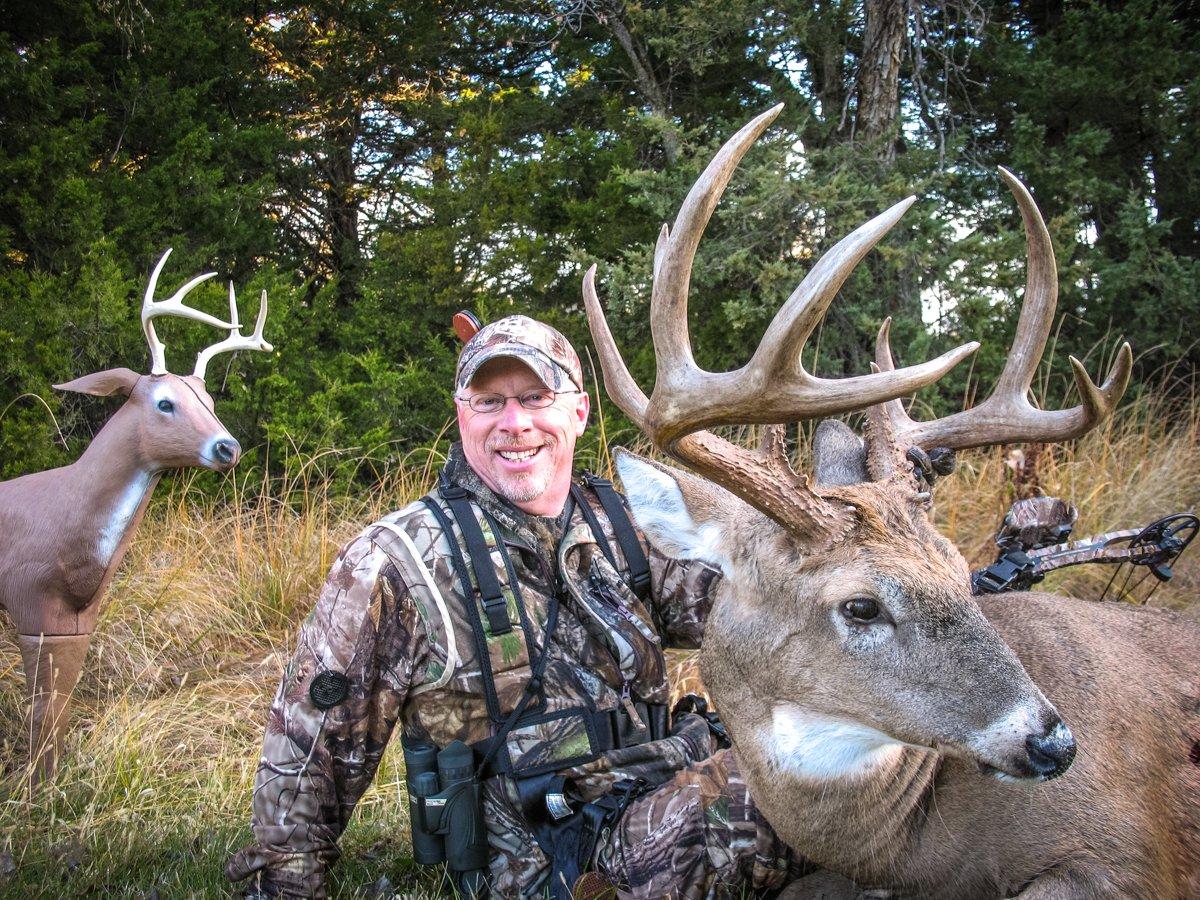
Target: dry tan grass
(154,789)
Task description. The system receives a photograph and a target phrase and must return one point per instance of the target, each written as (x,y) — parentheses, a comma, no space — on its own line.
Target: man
(503,611)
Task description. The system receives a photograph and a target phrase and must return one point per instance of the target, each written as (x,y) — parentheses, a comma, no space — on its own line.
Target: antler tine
(887,421)
(172,306)
(236,341)
(677,251)
(1007,415)
(617,380)
(661,247)
(779,351)
(778,355)
(1041,299)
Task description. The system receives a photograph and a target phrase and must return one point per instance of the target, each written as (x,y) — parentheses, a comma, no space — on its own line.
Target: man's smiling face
(524,455)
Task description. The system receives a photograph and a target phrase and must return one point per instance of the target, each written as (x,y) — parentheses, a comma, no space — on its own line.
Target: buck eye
(166,405)
(861,609)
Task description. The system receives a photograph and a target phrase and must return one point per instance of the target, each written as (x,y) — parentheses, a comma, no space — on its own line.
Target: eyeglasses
(538,398)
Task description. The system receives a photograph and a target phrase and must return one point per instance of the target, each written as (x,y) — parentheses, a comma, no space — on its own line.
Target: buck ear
(683,516)
(103,384)
(839,456)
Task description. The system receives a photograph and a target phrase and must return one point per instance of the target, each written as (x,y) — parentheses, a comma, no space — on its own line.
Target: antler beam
(1007,415)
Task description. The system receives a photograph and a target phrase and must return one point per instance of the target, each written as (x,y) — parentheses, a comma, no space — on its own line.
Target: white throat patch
(117,524)
(822,748)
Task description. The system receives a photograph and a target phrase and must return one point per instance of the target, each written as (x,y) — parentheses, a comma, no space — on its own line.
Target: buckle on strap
(496,609)
(451,491)
(602,813)
(641,583)
(616,729)
(626,791)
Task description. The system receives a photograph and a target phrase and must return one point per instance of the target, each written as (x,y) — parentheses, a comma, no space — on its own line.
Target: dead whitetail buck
(65,531)
(893,728)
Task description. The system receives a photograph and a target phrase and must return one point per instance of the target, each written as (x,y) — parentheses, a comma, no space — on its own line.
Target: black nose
(1051,754)
(226,451)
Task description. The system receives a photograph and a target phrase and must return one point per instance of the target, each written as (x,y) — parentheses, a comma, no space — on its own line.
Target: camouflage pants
(696,836)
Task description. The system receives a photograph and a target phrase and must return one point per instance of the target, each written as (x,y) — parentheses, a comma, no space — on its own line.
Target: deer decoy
(66,530)
(891,727)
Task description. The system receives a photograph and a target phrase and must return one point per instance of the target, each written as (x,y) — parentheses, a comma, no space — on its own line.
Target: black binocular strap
(468,592)
(495,606)
(631,547)
(593,523)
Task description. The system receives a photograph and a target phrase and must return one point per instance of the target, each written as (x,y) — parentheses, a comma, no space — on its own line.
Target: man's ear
(683,516)
(583,406)
(103,384)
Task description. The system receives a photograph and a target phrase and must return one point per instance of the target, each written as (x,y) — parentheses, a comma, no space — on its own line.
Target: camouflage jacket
(392,617)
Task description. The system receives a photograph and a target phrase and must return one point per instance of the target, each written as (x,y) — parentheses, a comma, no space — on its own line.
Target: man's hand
(285,878)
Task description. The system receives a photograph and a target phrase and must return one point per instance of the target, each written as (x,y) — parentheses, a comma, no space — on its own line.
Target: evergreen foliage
(376,166)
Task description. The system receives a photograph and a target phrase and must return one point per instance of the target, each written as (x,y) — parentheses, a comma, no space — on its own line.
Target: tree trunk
(878,108)
(342,209)
(647,83)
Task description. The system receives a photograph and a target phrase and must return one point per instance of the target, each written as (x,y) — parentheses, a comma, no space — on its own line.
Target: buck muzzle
(224,453)
(1052,753)
(1031,743)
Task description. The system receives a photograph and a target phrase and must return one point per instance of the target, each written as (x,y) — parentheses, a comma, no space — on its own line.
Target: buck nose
(226,451)
(1051,754)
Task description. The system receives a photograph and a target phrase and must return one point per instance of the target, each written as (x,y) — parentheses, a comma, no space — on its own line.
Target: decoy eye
(166,405)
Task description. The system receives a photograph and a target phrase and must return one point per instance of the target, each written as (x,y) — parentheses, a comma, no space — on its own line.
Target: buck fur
(895,753)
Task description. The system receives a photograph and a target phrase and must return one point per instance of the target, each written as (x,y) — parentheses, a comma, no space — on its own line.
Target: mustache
(499,443)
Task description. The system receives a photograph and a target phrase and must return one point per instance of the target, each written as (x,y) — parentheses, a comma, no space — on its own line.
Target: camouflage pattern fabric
(544,349)
(698,836)
(1037,522)
(379,621)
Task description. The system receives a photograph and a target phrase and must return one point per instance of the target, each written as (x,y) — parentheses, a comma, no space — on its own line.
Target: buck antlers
(773,388)
(173,306)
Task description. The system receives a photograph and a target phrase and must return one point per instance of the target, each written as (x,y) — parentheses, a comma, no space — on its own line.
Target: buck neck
(111,483)
(863,822)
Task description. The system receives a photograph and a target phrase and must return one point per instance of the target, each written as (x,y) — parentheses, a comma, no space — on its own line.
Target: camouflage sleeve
(316,764)
(681,595)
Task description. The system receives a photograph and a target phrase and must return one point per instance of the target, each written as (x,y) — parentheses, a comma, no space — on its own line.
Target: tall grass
(153,792)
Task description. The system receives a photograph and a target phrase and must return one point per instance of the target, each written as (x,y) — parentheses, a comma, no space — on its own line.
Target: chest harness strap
(618,516)
(495,605)
(607,729)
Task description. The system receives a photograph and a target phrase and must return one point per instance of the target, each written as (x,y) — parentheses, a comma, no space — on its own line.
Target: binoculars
(446,807)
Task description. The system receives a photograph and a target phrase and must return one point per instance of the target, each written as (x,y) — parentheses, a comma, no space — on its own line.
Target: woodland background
(378,166)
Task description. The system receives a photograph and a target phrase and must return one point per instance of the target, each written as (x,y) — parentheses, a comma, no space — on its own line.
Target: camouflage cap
(542,348)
